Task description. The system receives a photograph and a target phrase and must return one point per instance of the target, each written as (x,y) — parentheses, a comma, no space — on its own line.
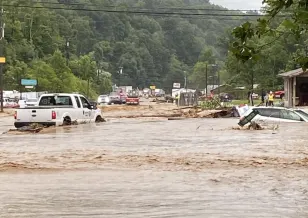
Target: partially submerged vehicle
(58,109)
(272,114)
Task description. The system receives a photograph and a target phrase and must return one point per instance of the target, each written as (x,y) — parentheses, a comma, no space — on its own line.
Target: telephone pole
(67,45)
(2,59)
(206,80)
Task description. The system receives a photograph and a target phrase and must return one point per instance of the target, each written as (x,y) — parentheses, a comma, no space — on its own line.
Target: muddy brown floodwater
(155,168)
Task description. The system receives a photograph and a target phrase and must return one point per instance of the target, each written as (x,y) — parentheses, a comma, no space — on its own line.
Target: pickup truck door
(88,113)
(79,110)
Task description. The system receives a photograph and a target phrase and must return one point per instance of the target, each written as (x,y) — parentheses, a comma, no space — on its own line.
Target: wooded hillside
(154,41)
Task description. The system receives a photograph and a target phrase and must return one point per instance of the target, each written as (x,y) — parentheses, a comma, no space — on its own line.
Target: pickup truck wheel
(99,119)
(67,121)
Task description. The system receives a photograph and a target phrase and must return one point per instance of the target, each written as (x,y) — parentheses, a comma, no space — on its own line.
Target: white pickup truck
(58,109)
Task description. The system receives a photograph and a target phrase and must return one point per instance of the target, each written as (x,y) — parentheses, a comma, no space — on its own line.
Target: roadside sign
(28,82)
(153,87)
(2,60)
(29,87)
(177,85)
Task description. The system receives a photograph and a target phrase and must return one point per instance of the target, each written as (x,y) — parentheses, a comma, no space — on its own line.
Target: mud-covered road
(155,168)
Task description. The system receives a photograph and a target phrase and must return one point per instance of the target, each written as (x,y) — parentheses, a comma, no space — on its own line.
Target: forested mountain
(154,41)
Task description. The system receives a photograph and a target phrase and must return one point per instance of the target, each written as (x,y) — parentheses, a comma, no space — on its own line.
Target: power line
(133,7)
(137,12)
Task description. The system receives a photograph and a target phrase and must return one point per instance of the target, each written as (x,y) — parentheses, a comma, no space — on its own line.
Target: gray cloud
(239,4)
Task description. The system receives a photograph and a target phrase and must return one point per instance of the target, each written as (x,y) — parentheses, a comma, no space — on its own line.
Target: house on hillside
(295,87)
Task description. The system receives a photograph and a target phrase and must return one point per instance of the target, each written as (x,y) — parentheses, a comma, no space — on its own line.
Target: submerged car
(273,114)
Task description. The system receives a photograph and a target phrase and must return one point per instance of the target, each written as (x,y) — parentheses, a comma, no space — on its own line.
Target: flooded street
(155,168)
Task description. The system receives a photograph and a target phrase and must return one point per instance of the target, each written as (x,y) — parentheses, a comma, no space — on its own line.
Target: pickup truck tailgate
(34,115)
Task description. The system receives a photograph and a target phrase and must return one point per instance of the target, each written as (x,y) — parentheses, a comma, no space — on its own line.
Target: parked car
(114,98)
(225,97)
(103,99)
(273,114)
(22,103)
(255,96)
(279,94)
(9,103)
(58,109)
(30,102)
(123,97)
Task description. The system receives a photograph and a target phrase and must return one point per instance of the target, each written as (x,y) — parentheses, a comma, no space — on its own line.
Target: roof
(293,73)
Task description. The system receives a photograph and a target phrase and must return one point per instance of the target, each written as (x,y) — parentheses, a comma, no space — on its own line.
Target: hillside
(154,41)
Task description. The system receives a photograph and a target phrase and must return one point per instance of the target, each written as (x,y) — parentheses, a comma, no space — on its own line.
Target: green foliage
(153,50)
(211,104)
(273,27)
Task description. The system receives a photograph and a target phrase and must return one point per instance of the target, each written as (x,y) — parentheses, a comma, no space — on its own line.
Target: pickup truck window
(78,101)
(84,102)
(56,100)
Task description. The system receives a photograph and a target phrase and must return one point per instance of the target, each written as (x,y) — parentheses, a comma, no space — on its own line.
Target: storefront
(296,88)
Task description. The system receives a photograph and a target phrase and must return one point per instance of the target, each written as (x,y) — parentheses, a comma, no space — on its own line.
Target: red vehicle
(279,94)
(132,98)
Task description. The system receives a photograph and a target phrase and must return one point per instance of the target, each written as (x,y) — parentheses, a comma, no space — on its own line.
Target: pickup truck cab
(58,109)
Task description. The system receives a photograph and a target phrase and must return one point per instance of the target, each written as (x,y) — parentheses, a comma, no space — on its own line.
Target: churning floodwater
(155,168)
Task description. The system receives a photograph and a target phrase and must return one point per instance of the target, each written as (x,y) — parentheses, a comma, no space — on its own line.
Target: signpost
(177,85)
(152,87)
(28,84)
(2,62)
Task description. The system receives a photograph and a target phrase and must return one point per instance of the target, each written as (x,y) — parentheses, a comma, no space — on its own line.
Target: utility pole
(206,79)
(252,84)
(185,80)
(218,81)
(67,45)
(2,25)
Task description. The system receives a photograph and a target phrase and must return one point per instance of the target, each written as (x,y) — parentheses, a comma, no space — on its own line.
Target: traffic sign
(2,60)
(28,82)
(152,87)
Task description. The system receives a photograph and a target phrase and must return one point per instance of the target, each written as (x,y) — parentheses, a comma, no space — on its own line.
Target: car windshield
(302,113)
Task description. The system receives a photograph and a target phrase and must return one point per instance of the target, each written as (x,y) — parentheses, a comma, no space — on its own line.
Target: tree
(294,22)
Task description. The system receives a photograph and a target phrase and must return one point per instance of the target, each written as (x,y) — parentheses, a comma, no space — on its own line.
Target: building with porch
(295,88)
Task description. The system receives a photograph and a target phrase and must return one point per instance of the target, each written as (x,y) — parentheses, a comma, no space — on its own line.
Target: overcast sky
(239,4)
